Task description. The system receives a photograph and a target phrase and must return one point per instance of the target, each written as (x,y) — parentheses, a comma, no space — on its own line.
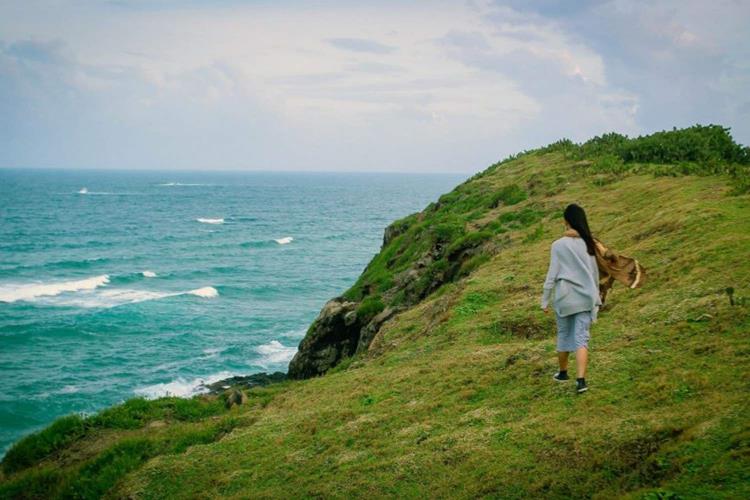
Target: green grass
(132,414)
(454,398)
(369,307)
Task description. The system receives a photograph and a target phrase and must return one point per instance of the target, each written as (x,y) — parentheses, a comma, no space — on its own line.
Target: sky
(423,86)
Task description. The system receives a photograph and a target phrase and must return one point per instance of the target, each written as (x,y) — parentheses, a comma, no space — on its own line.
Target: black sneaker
(561,376)
(581,385)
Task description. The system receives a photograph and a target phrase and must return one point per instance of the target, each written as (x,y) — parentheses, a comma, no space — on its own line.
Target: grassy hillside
(454,397)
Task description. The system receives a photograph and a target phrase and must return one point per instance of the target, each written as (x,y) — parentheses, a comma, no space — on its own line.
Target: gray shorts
(573,331)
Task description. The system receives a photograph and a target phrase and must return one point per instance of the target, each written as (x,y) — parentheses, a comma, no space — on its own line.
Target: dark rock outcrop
(333,335)
(369,331)
(392,231)
(246,381)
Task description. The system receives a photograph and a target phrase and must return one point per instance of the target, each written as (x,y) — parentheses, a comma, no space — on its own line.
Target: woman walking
(574,276)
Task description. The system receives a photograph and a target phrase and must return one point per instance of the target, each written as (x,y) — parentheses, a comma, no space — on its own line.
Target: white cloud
(424,86)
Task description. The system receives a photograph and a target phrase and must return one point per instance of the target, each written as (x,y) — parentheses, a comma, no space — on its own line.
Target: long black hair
(576,218)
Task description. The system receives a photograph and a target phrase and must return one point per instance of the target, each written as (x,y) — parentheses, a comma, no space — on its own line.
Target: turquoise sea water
(117,284)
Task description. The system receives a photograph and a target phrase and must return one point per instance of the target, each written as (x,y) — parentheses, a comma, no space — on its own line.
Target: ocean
(122,284)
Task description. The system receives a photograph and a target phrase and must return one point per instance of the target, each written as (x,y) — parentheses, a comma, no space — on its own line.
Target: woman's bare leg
(582,358)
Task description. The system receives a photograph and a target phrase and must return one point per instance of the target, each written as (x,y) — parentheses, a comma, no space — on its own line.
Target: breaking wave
(207,292)
(181,387)
(275,352)
(28,292)
(87,293)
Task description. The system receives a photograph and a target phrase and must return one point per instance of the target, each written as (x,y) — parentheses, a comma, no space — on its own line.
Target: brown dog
(613,266)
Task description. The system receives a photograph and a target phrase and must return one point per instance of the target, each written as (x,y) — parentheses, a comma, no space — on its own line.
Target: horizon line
(239,170)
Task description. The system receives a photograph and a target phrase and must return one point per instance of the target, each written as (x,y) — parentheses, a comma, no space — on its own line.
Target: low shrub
(446,232)
(369,307)
(135,413)
(132,414)
(521,218)
(699,143)
(100,474)
(470,240)
(535,235)
(507,195)
(469,265)
(37,483)
(35,447)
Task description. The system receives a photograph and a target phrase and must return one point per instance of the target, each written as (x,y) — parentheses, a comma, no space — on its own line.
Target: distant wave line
(116,297)
(34,290)
(210,221)
(86,192)
(88,296)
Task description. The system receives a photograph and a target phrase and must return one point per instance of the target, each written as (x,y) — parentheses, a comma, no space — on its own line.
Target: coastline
(245,382)
(454,392)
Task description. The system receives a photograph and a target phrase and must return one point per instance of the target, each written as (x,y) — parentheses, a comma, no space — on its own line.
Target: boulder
(371,329)
(245,381)
(235,397)
(332,336)
(392,231)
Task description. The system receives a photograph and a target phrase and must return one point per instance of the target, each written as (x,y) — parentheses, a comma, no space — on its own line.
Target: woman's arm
(549,282)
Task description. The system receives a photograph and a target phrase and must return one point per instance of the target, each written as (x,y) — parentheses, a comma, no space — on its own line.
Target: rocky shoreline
(245,382)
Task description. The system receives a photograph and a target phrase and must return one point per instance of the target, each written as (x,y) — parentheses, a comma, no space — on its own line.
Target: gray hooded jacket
(573,275)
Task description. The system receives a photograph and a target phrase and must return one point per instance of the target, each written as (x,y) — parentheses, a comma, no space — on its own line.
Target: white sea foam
(284,240)
(114,297)
(85,190)
(182,387)
(210,221)
(68,389)
(207,292)
(31,291)
(111,298)
(275,352)
(149,274)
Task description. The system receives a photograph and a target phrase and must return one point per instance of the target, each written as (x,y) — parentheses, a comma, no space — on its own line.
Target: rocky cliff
(346,325)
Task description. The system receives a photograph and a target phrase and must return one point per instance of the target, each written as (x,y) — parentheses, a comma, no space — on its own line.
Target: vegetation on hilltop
(453,396)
